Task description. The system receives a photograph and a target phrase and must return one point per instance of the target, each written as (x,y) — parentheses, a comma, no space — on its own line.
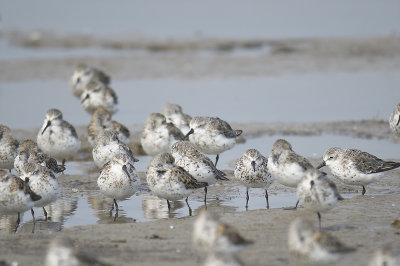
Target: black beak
(47,125)
(188,134)
(312,184)
(84,99)
(321,165)
(398,121)
(253,164)
(1,134)
(126,170)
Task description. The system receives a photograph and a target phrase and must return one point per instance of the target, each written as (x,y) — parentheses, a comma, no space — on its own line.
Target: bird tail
(388,166)
(221,175)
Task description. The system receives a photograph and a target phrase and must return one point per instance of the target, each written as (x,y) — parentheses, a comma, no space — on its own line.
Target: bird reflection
(156,208)
(58,213)
(102,205)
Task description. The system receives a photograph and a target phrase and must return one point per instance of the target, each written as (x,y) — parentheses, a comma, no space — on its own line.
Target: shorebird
(355,167)
(212,135)
(286,166)
(252,171)
(197,164)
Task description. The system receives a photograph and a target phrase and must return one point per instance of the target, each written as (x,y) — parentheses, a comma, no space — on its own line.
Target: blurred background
(258,61)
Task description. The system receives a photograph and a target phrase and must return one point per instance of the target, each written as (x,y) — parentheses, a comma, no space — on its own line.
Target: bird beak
(47,125)
(321,165)
(188,134)
(126,170)
(253,164)
(84,99)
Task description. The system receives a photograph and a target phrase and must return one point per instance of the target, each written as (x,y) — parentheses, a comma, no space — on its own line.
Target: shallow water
(85,205)
(295,98)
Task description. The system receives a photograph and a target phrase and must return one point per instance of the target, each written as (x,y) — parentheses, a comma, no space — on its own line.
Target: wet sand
(363,222)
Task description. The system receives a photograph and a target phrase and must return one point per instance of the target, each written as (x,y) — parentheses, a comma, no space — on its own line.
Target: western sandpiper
(158,135)
(96,95)
(8,148)
(16,196)
(355,167)
(118,179)
(196,163)
(212,135)
(82,75)
(43,182)
(169,181)
(107,146)
(174,114)
(101,120)
(286,166)
(57,137)
(313,246)
(252,171)
(317,193)
(394,120)
(28,152)
(212,235)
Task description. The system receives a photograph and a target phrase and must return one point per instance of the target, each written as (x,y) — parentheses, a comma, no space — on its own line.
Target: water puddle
(81,203)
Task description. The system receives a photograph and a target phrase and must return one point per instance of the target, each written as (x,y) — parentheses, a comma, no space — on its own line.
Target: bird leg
(319,219)
(205,196)
(33,215)
(190,209)
(169,206)
(363,191)
(18,221)
(216,160)
(266,198)
(45,213)
(247,198)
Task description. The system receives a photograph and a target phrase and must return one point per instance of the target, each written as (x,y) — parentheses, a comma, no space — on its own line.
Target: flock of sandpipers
(178,144)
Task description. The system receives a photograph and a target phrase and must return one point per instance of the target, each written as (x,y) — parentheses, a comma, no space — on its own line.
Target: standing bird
(317,193)
(8,148)
(16,195)
(286,166)
(107,146)
(57,137)
(211,135)
(313,246)
(174,114)
(355,167)
(28,152)
(251,170)
(212,235)
(169,181)
(82,75)
(197,164)
(43,182)
(394,120)
(158,135)
(118,179)
(97,94)
(101,120)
